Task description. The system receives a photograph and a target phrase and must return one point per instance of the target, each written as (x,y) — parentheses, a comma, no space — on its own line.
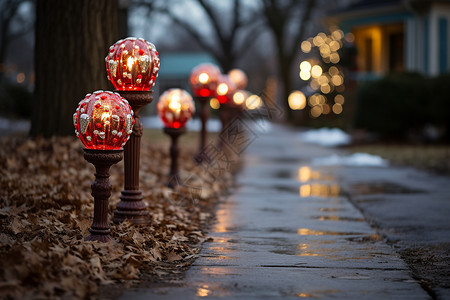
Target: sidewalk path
(290,230)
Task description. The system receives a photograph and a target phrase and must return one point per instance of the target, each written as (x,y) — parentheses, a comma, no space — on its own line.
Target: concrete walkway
(290,230)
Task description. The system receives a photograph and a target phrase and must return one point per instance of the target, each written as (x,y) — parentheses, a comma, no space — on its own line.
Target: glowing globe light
(316,71)
(305,66)
(297,100)
(306,46)
(239,97)
(239,78)
(204,78)
(103,120)
(225,90)
(132,64)
(253,102)
(175,108)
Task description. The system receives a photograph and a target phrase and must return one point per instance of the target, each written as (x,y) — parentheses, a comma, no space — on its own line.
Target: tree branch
(301,32)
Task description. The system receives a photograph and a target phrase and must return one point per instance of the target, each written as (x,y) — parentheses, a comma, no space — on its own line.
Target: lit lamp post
(132,65)
(204,80)
(240,80)
(175,108)
(103,122)
(225,91)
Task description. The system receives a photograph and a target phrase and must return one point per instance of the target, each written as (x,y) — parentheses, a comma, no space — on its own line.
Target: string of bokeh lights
(323,74)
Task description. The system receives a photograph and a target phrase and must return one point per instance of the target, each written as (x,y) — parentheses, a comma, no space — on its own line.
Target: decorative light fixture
(225,91)
(239,78)
(175,108)
(132,65)
(103,122)
(204,80)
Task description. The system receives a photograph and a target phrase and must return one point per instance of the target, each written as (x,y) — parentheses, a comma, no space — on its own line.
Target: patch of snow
(328,137)
(355,159)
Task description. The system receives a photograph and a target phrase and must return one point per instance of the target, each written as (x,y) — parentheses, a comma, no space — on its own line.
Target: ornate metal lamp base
(101,190)
(132,206)
(174,133)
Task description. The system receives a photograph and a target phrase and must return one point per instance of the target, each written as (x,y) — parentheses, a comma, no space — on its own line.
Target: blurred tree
(8,14)
(228,41)
(72,40)
(288,22)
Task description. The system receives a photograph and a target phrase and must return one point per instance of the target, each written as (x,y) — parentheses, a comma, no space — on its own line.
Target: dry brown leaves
(46,209)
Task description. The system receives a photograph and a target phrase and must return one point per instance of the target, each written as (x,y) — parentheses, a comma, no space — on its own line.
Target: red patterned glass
(103,120)
(132,64)
(175,108)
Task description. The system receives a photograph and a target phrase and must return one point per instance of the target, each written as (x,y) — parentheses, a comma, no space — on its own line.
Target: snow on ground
(192,125)
(355,159)
(328,137)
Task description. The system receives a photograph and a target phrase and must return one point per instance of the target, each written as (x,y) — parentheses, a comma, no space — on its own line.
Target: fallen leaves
(46,210)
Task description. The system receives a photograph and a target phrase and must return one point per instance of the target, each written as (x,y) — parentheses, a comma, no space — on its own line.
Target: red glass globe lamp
(132,65)
(103,122)
(175,108)
(203,79)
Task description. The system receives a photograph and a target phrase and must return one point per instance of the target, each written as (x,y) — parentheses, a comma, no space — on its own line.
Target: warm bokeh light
(132,64)
(103,120)
(297,100)
(337,80)
(253,102)
(334,46)
(325,88)
(305,66)
(316,111)
(214,103)
(175,108)
(337,34)
(337,108)
(20,78)
(306,46)
(225,89)
(314,84)
(333,70)
(334,58)
(316,71)
(222,89)
(239,97)
(203,78)
(239,78)
(304,75)
(339,99)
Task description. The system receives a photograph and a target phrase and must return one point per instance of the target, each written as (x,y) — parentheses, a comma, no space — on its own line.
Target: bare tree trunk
(72,39)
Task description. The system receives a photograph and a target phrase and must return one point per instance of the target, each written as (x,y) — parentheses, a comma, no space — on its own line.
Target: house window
(396,52)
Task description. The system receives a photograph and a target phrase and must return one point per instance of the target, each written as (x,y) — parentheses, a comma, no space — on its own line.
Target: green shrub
(394,105)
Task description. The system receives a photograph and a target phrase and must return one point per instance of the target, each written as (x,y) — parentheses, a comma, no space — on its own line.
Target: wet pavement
(295,230)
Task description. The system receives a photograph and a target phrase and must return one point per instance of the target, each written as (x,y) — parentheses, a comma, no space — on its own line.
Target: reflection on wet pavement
(306,231)
(319,190)
(381,188)
(290,231)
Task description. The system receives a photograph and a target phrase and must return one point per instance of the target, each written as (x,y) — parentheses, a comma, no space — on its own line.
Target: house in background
(176,69)
(397,35)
